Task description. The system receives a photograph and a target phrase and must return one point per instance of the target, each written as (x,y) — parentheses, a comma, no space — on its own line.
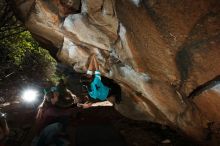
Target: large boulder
(159,52)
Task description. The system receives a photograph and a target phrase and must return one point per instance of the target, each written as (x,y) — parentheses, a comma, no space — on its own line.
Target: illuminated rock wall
(163,54)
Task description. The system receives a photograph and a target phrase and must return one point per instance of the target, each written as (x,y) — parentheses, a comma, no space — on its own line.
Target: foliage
(9,24)
(20,54)
(24,53)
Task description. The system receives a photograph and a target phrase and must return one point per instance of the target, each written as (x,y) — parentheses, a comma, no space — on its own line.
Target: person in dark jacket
(53,117)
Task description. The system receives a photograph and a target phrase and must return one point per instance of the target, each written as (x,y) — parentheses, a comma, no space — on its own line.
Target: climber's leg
(91,66)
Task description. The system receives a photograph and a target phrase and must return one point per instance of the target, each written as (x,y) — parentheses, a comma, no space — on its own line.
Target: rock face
(163,54)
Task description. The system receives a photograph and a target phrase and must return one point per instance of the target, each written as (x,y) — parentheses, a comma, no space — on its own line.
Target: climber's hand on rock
(85,105)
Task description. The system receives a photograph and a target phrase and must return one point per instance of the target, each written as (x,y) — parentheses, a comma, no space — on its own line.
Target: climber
(99,91)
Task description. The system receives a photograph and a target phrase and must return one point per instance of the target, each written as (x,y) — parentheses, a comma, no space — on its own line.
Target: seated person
(51,110)
(99,91)
(4,130)
(53,117)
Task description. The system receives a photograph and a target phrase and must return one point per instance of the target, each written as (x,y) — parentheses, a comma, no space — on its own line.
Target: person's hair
(61,83)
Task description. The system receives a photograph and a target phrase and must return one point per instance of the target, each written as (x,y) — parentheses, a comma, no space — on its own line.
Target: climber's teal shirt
(98,89)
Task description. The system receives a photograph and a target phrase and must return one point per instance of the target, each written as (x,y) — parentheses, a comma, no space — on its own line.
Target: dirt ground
(21,118)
